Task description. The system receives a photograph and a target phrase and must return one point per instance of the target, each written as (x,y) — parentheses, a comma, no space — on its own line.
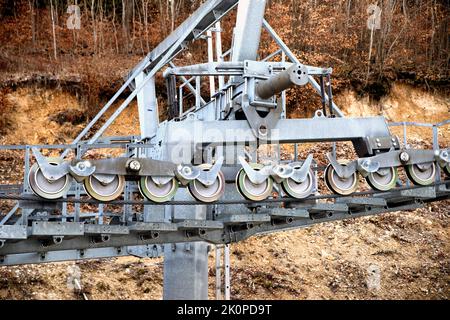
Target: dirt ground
(404,255)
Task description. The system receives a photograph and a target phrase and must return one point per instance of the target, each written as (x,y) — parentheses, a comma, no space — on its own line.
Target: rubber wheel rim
(292,193)
(240,182)
(379,187)
(143,183)
(216,196)
(416,180)
(333,187)
(104,198)
(32,181)
(447,170)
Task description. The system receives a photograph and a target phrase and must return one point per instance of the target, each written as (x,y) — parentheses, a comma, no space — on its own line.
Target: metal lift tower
(203,175)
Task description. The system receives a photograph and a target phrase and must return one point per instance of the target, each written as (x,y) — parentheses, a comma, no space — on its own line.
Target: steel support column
(185,264)
(148,107)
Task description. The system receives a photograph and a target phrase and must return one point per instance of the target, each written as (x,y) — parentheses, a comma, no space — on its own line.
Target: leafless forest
(54,79)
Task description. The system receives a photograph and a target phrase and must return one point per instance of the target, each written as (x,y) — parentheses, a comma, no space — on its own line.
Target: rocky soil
(404,255)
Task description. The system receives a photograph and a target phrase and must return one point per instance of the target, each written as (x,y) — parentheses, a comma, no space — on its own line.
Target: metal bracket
(342,171)
(50,172)
(296,171)
(301,170)
(261,126)
(197,33)
(187,173)
(81,170)
(217,14)
(366,166)
(208,178)
(422,158)
(256,176)
(104,178)
(442,158)
(282,172)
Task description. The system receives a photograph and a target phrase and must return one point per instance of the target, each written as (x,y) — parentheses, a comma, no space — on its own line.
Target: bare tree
(33,22)
(114,26)
(127,15)
(53,29)
(94,27)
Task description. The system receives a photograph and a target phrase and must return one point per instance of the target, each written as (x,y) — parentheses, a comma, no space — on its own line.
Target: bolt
(404,157)
(187,170)
(134,165)
(379,145)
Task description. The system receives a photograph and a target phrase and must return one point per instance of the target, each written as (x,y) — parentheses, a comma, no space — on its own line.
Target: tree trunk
(52,11)
(33,22)
(127,15)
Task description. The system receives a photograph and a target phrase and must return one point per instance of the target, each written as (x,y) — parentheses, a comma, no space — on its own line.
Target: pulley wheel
(338,185)
(158,192)
(104,191)
(299,190)
(383,180)
(205,193)
(447,169)
(46,188)
(421,176)
(252,191)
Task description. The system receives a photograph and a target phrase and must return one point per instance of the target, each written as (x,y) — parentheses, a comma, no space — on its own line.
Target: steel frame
(21,241)
(37,231)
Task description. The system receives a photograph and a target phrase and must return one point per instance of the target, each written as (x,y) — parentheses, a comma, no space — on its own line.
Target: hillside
(331,261)
(53,80)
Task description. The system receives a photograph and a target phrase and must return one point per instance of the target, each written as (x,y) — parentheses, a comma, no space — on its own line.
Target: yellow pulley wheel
(299,190)
(47,188)
(421,174)
(447,169)
(158,192)
(338,185)
(104,191)
(254,191)
(204,193)
(383,180)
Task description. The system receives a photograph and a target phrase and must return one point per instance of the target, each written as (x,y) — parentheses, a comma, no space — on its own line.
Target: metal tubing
(280,82)
(149,76)
(293,58)
(218,34)
(10,213)
(103,110)
(212,83)
(227,271)
(148,107)
(250,16)
(186,82)
(180,134)
(218,273)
